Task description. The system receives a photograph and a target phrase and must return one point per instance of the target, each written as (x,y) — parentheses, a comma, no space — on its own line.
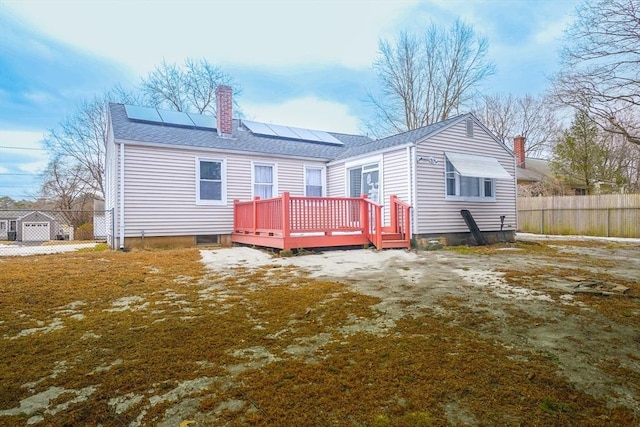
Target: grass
(147,334)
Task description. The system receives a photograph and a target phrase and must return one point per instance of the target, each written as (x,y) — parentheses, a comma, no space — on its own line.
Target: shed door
(35,231)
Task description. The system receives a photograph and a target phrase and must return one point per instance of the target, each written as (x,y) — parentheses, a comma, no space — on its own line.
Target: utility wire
(22,148)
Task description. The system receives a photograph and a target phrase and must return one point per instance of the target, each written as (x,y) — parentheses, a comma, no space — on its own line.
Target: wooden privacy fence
(609,215)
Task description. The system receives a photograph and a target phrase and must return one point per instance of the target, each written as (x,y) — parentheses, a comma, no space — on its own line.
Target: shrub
(84,232)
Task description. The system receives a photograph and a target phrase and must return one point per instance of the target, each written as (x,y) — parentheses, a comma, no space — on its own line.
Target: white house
(171,177)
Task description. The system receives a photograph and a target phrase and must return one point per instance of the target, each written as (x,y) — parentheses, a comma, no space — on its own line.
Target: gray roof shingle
(244,140)
(241,140)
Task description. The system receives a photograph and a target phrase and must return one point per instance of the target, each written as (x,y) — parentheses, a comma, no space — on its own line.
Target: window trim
(323,178)
(274,171)
(223,180)
(450,170)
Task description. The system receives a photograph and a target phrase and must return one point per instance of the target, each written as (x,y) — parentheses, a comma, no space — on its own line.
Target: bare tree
(188,87)
(601,65)
(67,187)
(507,115)
(426,79)
(80,138)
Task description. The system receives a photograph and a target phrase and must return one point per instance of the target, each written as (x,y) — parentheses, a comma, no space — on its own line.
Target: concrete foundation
(457,239)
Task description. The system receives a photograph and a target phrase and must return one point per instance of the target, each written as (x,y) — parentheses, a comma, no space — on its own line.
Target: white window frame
(223,179)
(4,225)
(323,178)
(274,184)
(450,174)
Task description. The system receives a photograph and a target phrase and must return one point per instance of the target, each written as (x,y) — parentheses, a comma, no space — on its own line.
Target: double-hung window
(264,185)
(314,181)
(211,185)
(469,177)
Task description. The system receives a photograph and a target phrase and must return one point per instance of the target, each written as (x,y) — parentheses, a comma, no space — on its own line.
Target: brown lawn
(155,338)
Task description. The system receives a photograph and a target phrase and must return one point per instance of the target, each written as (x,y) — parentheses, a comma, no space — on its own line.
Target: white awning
(477,166)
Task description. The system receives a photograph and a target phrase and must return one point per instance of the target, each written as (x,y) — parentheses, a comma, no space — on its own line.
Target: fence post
(286,219)
(393,215)
(364,216)
(254,205)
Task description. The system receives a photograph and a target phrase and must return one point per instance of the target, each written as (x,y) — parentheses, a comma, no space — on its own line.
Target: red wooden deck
(289,222)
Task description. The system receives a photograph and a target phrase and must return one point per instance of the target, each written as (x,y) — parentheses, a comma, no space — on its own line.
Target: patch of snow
(183,389)
(123,403)
(54,325)
(125,303)
(493,280)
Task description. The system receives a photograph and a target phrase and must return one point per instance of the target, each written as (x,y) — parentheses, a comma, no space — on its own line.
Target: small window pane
(355,182)
(210,170)
(264,174)
(210,190)
(263,191)
(488,187)
(469,186)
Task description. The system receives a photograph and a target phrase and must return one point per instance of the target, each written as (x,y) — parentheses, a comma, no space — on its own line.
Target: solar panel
(175,118)
(326,137)
(290,132)
(259,128)
(203,121)
(142,113)
(305,134)
(284,131)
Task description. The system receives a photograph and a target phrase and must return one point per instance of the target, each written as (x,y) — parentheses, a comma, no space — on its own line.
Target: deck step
(391,236)
(389,244)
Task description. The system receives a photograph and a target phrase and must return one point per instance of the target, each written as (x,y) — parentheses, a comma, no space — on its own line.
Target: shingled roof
(243,140)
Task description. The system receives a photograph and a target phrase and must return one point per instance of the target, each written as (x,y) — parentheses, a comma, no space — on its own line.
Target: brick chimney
(224,108)
(518,149)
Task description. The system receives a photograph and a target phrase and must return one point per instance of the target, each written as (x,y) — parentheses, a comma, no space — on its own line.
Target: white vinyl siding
(160,196)
(434,212)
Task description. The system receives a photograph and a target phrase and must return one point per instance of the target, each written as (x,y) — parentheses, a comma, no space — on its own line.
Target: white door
(35,232)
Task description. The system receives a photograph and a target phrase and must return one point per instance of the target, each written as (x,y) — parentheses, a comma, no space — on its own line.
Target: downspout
(121,195)
(414,193)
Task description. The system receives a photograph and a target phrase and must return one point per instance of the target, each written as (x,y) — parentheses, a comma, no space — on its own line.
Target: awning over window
(477,166)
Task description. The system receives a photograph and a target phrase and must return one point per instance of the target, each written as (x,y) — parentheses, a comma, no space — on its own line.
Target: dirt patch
(500,335)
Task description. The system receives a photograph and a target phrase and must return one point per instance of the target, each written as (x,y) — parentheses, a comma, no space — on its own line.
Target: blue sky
(300,63)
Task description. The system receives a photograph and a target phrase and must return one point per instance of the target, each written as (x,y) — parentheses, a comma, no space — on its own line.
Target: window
(365,180)
(465,187)
(3,225)
(313,182)
(210,183)
(263,180)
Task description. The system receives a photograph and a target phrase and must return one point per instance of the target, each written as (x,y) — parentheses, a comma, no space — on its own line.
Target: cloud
(236,32)
(308,112)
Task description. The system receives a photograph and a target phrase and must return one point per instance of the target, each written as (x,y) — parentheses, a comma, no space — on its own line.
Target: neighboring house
(171,178)
(28,226)
(535,178)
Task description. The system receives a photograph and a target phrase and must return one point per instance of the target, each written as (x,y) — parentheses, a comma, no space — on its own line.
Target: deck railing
(316,221)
